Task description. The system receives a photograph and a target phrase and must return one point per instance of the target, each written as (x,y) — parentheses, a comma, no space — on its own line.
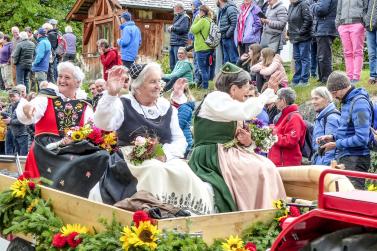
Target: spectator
(349,21)
(370,21)
(3,131)
(183,69)
(252,57)
(23,58)
(130,40)
(108,56)
(200,28)
(22,91)
(195,4)
(290,129)
(179,32)
(324,13)
(100,85)
(299,32)
(30,35)
(19,130)
(16,35)
(326,122)
(271,70)
(263,116)
(263,5)
(92,89)
(5,64)
(351,138)
(70,39)
(273,35)
(40,65)
(227,21)
(249,27)
(313,46)
(182,99)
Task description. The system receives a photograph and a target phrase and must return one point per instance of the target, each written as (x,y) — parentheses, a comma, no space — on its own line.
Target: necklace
(151,112)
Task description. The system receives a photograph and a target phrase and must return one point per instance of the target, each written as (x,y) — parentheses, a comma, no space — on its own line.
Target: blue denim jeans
(173,56)
(230,53)
(301,55)
(313,59)
(372,52)
(9,143)
(197,76)
(22,75)
(204,67)
(21,144)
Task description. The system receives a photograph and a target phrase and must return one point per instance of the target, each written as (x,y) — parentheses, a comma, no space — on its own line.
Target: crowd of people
(251,83)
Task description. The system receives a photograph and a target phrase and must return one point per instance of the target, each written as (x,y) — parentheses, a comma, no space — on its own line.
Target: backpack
(372,145)
(214,36)
(306,146)
(335,111)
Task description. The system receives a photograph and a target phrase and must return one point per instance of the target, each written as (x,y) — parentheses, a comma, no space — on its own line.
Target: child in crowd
(247,60)
(182,99)
(271,70)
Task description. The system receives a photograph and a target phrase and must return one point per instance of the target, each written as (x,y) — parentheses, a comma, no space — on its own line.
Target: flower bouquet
(263,136)
(105,140)
(145,148)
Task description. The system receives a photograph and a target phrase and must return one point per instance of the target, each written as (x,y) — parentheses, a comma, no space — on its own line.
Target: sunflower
(372,187)
(19,188)
(77,136)
(128,238)
(278,204)
(73,228)
(110,139)
(233,244)
(146,235)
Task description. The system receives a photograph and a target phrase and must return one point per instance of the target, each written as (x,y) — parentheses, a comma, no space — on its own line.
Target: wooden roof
(80,9)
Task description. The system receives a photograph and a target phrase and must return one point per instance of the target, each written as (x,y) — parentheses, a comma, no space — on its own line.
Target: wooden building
(100,19)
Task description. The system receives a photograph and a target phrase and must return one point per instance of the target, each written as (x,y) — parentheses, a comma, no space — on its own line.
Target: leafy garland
(23,211)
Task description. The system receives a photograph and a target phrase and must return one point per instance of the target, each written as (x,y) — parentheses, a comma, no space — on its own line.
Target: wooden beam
(79,17)
(75,8)
(100,9)
(88,33)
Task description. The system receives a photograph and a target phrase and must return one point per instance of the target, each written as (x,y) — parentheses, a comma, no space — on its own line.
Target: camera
(5,115)
(321,151)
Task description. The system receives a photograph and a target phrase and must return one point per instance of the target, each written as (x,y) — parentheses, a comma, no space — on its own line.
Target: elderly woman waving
(74,168)
(139,115)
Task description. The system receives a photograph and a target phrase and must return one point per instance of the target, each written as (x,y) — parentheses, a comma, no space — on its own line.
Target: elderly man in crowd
(351,138)
(23,56)
(42,57)
(179,32)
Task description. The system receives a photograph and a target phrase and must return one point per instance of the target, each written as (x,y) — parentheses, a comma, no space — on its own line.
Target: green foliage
(165,65)
(261,234)
(8,206)
(34,13)
(108,240)
(172,241)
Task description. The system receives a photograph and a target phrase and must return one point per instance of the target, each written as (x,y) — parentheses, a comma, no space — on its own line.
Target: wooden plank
(302,190)
(218,225)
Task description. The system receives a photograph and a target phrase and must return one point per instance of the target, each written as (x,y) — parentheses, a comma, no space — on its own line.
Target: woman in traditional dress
(144,113)
(77,167)
(241,179)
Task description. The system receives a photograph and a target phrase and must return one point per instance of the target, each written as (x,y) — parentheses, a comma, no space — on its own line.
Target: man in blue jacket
(130,40)
(352,136)
(42,57)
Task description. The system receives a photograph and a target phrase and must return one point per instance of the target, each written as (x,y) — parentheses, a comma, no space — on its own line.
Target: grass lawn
(303,93)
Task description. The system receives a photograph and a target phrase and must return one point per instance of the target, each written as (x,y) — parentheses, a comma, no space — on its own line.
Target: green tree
(34,13)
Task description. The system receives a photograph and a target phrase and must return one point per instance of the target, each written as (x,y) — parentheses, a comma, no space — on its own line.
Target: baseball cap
(127,16)
(53,21)
(42,31)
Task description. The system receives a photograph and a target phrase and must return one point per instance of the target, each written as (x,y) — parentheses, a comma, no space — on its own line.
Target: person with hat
(42,57)
(240,178)
(145,113)
(351,139)
(130,39)
(20,136)
(54,37)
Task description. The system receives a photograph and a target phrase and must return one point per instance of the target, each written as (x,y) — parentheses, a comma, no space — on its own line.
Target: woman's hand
(66,141)
(161,158)
(29,110)
(244,56)
(116,78)
(244,137)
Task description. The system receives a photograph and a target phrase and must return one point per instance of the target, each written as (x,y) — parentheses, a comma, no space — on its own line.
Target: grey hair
(68,28)
(136,83)
(337,80)
(15,28)
(47,26)
(103,43)
(24,35)
(323,93)
(288,94)
(179,4)
(77,73)
(21,87)
(182,49)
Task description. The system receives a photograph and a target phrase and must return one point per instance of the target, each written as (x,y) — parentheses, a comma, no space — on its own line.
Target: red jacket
(290,129)
(109,59)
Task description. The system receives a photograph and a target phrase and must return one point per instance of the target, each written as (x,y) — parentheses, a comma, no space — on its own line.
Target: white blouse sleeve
(89,114)
(40,103)
(177,148)
(219,106)
(109,113)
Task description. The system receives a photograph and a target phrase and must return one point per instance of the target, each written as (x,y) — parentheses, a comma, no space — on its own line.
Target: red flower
(294,211)
(59,241)
(281,221)
(96,136)
(73,240)
(140,216)
(31,185)
(21,177)
(250,246)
